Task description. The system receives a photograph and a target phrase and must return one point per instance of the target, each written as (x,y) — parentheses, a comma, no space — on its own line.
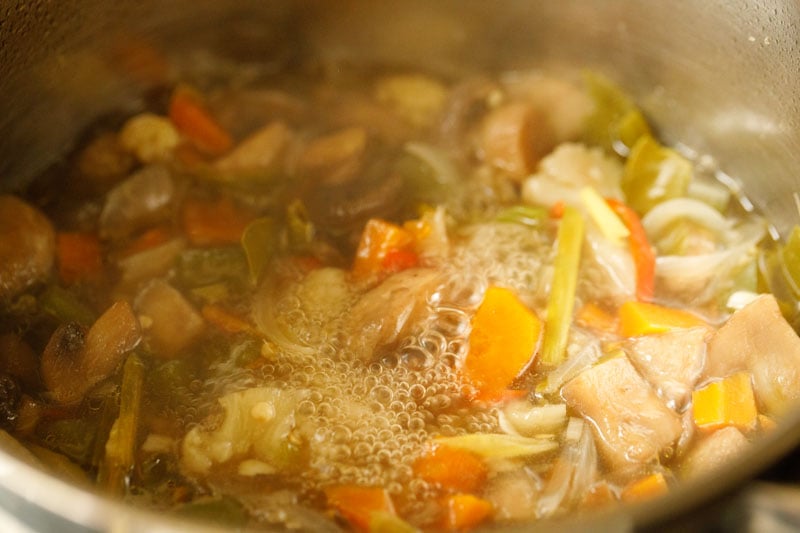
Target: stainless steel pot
(717,77)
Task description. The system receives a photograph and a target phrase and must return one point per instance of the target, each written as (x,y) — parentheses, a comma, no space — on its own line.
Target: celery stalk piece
(65,306)
(527,215)
(258,242)
(562,293)
(654,173)
(791,256)
(121,443)
(616,123)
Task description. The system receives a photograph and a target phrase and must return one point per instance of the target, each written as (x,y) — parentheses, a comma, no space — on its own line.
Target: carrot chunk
(189,114)
(451,469)
(223,319)
(642,318)
(645,488)
(79,256)
(465,511)
(213,222)
(381,240)
(358,504)
(729,402)
(503,342)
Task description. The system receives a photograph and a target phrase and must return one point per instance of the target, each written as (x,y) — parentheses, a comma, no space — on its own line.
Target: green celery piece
(654,173)
(65,306)
(790,253)
(562,292)
(258,242)
(615,123)
(527,215)
(119,459)
(301,229)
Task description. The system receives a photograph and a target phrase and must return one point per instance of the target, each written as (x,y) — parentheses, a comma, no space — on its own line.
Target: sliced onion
(662,216)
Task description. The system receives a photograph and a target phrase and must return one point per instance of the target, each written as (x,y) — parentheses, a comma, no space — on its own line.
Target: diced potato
(171,322)
(758,339)
(712,452)
(672,361)
(729,402)
(632,424)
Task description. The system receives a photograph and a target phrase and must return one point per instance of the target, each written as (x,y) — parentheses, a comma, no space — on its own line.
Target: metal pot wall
(715,76)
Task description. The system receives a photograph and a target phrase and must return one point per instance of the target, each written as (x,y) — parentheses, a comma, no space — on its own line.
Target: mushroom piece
(76,359)
(171,321)
(27,246)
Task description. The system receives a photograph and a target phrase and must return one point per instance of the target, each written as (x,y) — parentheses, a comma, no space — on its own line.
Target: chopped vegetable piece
(150,137)
(790,253)
(148,240)
(529,420)
(527,215)
(729,402)
(224,320)
(604,216)
(65,306)
(415,97)
(79,257)
(654,173)
(357,504)
(591,315)
(502,343)
(451,468)
(498,445)
(215,222)
(378,239)
(190,116)
(615,123)
(383,522)
(258,242)
(514,137)
(645,488)
(121,443)
(465,511)
(562,292)
(396,260)
(171,321)
(75,359)
(335,157)
(643,318)
(643,256)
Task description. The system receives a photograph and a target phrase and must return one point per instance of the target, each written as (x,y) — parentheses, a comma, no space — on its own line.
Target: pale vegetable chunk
(513,138)
(713,451)
(632,424)
(758,339)
(256,427)
(672,362)
(170,320)
(141,200)
(388,311)
(150,137)
(27,246)
(262,150)
(75,360)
